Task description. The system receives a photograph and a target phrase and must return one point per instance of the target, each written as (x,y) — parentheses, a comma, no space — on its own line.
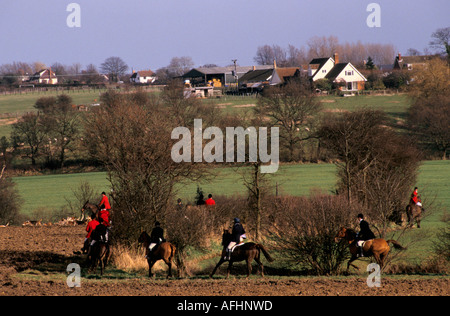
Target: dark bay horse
(378,248)
(99,255)
(94,208)
(414,213)
(164,251)
(248,251)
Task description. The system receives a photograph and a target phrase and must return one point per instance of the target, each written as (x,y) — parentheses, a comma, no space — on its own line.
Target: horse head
(83,208)
(340,234)
(345,233)
(226,237)
(144,237)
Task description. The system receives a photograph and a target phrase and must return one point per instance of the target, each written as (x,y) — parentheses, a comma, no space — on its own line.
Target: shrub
(304,230)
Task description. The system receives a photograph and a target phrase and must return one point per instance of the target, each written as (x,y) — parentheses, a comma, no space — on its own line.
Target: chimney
(336,58)
(399,56)
(274,64)
(254,68)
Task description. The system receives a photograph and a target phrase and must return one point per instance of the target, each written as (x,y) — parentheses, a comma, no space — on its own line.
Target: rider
(92,224)
(364,234)
(156,237)
(237,236)
(104,213)
(98,234)
(210,200)
(415,198)
(104,203)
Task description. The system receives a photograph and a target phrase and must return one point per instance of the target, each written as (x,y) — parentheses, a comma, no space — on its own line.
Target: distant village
(326,73)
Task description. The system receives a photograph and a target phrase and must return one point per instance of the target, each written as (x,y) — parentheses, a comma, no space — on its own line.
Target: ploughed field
(33,261)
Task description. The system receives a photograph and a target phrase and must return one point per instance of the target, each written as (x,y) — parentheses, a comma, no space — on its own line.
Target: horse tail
(264,251)
(172,251)
(396,244)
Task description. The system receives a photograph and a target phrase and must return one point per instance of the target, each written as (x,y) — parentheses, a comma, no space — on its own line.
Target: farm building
(409,62)
(218,75)
(256,80)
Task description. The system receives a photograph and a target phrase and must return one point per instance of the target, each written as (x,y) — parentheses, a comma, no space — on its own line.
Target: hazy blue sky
(148,33)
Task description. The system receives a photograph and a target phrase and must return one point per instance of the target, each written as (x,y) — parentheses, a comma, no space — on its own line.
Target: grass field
(13,106)
(50,191)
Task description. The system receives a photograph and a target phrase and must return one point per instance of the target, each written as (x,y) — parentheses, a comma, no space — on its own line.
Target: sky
(146,34)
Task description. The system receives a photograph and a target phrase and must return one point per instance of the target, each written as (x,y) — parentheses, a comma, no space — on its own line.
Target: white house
(144,76)
(320,67)
(344,74)
(44,76)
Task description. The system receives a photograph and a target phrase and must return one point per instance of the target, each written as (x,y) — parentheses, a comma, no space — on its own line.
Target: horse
(99,255)
(164,251)
(94,208)
(248,251)
(414,213)
(378,248)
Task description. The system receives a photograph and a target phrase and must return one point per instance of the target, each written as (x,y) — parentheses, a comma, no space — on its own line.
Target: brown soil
(33,262)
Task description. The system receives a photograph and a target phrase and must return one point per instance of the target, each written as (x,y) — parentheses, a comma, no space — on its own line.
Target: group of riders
(98,228)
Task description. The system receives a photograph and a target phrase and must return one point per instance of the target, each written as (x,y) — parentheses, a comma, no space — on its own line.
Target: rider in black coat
(237,236)
(364,233)
(238,231)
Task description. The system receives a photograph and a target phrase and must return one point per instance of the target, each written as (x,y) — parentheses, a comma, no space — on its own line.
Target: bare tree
(114,67)
(428,117)
(319,47)
(134,143)
(292,108)
(28,136)
(429,120)
(9,199)
(61,122)
(441,41)
(376,166)
(305,228)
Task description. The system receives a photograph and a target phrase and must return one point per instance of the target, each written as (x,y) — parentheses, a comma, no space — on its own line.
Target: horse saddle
(237,245)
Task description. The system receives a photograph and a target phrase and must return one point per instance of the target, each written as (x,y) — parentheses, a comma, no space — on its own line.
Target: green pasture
(51,191)
(394,105)
(25,102)
(13,106)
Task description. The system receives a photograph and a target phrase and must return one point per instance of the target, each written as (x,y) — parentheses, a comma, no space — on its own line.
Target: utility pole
(235,74)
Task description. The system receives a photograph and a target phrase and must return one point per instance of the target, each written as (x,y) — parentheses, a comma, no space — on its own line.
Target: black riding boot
(360,252)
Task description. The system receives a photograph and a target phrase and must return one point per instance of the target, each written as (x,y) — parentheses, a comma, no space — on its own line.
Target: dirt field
(33,262)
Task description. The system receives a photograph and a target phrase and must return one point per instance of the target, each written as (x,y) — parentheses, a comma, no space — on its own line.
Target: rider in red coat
(89,228)
(104,209)
(104,203)
(414,196)
(210,200)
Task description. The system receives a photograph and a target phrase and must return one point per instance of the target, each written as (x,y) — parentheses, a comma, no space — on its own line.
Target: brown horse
(378,248)
(249,251)
(414,213)
(164,251)
(99,255)
(94,208)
